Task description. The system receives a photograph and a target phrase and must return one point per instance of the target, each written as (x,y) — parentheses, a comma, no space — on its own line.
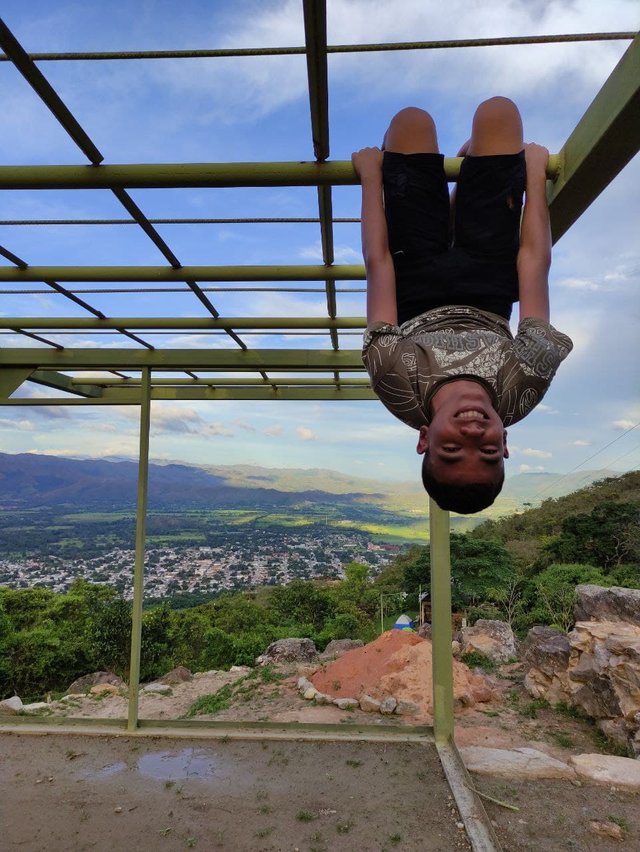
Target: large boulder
(11,706)
(546,657)
(289,651)
(597,603)
(338,647)
(180,674)
(84,683)
(494,639)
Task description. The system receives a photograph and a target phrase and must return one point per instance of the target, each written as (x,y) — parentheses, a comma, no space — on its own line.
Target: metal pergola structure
(604,140)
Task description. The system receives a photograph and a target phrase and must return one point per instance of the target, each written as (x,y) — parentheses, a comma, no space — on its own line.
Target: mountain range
(29,480)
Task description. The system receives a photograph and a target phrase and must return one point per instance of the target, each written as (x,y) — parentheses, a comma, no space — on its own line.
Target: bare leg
(411,131)
(497,128)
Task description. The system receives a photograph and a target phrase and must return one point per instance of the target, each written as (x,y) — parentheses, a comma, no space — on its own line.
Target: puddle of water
(177,766)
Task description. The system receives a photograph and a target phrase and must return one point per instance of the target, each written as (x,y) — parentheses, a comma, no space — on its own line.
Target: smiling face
(466,440)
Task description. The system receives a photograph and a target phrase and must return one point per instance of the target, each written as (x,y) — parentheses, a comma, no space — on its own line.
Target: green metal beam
(217,381)
(603,142)
(182,323)
(307,272)
(59,381)
(132,396)
(11,379)
(138,574)
(441,623)
(172,175)
(180,359)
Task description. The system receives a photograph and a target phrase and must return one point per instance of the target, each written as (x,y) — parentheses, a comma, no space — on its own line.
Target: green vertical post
(441,623)
(138,575)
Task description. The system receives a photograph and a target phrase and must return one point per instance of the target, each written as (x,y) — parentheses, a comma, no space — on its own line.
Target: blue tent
(403,622)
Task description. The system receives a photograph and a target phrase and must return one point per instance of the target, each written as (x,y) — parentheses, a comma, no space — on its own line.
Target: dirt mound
(397,663)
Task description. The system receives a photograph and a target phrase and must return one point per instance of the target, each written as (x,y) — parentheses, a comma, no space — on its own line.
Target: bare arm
(534,256)
(381,278)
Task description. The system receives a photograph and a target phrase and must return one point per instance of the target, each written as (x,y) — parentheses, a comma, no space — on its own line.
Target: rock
(407,708)
(546,650)
(239,669)
(304,684)
(338,647)
(495,639)
(178,675)
(539,633)
(456,648)
(157,688)
(606,829)
(616,730)
(104,689)
(607,769)
(35,707)
(322,698)
(310,693)
(369,704)
(288,651)
(346,703)
(525,763)
(83,684)
(388,705)
(11,706)
(424,631)
(596,603)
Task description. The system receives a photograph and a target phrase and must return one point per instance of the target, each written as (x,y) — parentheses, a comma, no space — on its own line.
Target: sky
(252,109)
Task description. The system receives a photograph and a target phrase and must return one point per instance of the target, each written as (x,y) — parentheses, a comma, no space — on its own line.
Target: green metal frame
(603,142)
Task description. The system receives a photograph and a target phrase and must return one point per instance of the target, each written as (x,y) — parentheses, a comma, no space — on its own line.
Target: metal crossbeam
(603,142)
(192,359)
(310,272)
(189,175)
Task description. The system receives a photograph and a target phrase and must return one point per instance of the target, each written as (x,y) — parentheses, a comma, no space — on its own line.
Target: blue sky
(256,109)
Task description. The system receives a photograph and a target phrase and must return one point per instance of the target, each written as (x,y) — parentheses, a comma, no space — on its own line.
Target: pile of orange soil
(398,663)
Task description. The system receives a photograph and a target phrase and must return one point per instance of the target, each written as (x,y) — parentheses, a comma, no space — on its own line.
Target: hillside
(546,519)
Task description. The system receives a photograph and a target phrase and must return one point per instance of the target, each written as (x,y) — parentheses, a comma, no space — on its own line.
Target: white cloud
(342,254)
(306,434)
(581,443)
(21,425)
(538,454)
(623,425)
(577,284)
(527,468)
(274,431)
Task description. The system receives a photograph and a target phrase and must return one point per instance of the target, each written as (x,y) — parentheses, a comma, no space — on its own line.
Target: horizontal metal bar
(184,273)
(190,359)
(258,382)
(172,175)
(181,323)
(132,396)
(257,220)
(216,53)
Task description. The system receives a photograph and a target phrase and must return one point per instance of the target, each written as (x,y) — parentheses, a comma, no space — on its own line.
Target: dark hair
(463,499)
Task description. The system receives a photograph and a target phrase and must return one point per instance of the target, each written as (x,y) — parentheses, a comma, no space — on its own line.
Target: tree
(606,537)
(478,568)
(555,593)
(109,636)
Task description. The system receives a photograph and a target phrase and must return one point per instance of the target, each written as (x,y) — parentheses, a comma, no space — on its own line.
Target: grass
(305,816)
(242,689)
(476,660)
(344,827)
(563,740)
(619,821)
(212,703)
(531,708)
(353,763)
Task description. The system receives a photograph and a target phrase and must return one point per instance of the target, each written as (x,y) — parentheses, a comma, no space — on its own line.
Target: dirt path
(78,793)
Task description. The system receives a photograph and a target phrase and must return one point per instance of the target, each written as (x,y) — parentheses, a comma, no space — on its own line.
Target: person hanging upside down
(442,276)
